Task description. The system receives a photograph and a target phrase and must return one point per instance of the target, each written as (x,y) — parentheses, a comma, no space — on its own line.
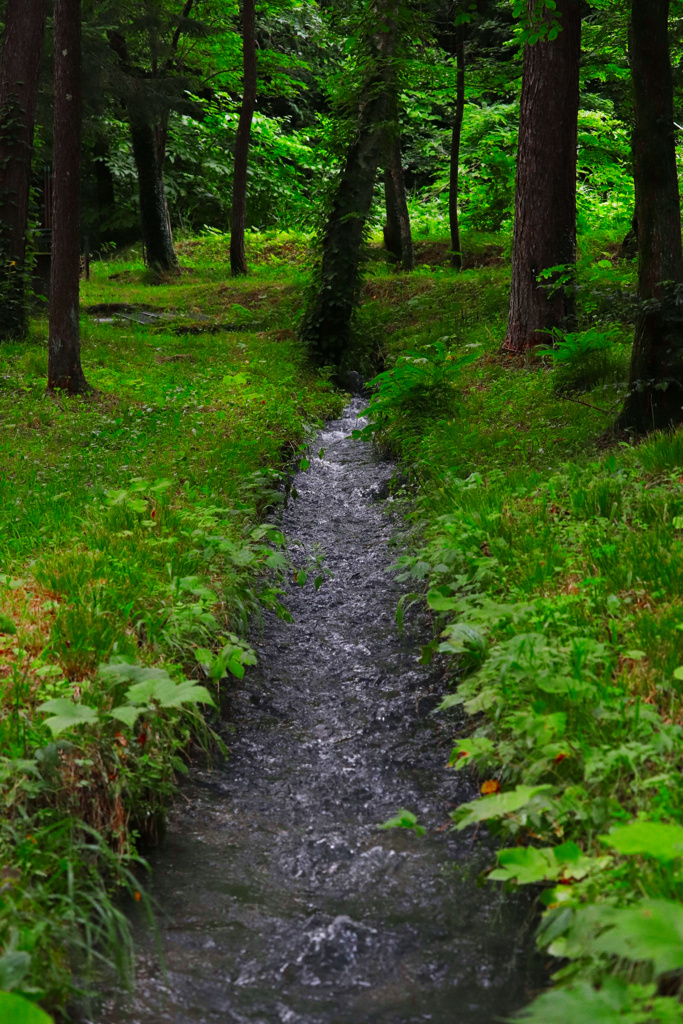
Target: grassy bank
(551,556)
(134,545)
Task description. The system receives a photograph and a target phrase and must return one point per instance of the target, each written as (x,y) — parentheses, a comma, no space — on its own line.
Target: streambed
(281,900)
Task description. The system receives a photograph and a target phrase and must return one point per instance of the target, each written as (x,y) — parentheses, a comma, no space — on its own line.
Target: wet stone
(281,899)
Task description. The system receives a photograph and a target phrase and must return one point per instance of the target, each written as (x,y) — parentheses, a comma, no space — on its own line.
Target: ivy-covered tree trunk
(453,197)
(156,234)
(238,258)
(398,237)
(22,48)
(655,398)
(64,347)
(545,197)
(326,326)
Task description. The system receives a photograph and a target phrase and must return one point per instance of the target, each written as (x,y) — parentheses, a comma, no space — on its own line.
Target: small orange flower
(560,758)
(490,786)
(138,896)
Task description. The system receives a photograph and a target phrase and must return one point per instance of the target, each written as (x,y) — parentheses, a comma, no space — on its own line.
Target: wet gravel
(283,902)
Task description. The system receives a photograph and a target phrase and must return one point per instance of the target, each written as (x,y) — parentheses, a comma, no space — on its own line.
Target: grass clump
(134,546)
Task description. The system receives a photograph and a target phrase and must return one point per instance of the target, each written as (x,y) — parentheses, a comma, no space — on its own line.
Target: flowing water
(282,901)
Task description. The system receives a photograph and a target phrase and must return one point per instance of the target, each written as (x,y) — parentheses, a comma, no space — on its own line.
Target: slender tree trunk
(398,237)
(64,362)
(326,326)
(453,197)
(238,259)
(545,198)
(655,399)
(22,48)
(155,223)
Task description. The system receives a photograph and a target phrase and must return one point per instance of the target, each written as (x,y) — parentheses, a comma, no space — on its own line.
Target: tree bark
(156,234)
(398,237)
(629,247)
(22,49)
(453,197)
(326,326)
(655,399)
(238,259)
(64,356)
(545,196)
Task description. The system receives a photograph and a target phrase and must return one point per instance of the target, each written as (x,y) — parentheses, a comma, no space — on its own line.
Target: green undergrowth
(137,538)
(550,555)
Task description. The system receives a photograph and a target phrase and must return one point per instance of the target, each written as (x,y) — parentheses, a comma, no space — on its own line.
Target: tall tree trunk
(398,237)
(22,49)
(326,326)
(238,258)
(64,362)
(655,399)
(156,235)
(453,197)
(545,198)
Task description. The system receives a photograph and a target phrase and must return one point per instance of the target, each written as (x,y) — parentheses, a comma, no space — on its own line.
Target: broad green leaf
(526,865)
(490,807)
(14,966)
(405,819)
(168,694)
(470,749)
(461,638)
(647,838)
(580,1003)
(123,672)
(14,1009)
(67,715)
(126,713)
(440,603)
(652,930)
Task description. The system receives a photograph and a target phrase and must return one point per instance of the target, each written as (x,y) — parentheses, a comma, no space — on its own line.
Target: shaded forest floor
(549,553)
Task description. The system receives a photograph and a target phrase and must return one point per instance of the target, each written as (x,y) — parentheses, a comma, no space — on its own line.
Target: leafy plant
(585,359)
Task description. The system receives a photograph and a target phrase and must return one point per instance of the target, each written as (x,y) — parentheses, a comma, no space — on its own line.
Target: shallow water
(284,902)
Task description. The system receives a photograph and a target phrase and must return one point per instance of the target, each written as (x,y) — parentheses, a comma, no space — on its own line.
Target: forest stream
(280,899)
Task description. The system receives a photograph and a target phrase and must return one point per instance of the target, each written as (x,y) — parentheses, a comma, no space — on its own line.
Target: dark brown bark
(184,15)
(655,399)
(64,362)
(238,258)
(22,47)
(628,250)
(326,326)
(453,197)
(545,196)
(154,220)
(149,152)
(398,237)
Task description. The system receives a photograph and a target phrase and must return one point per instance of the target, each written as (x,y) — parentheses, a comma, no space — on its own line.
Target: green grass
(135,534)
(131,531)
(551,556)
